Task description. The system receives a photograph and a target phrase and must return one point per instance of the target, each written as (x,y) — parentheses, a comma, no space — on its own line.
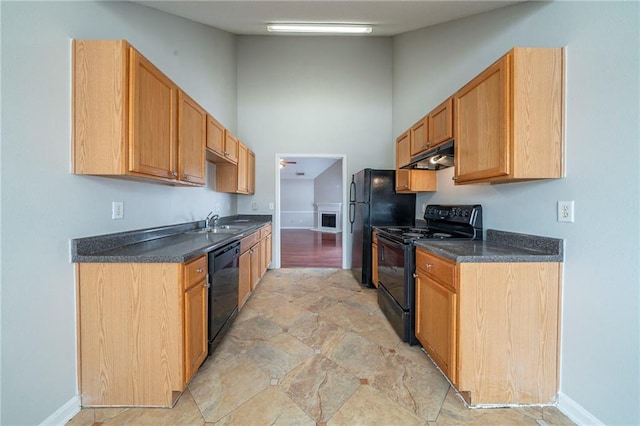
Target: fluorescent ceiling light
(320,28)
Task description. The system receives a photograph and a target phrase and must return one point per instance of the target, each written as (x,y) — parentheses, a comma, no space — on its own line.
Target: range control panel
(467,214)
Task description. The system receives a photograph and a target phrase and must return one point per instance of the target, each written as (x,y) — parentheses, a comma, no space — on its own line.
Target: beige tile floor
(311,347)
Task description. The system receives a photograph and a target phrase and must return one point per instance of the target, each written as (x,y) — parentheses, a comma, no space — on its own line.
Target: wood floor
(310,249)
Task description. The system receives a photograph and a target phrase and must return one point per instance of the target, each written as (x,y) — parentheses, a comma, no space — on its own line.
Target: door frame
(276,221)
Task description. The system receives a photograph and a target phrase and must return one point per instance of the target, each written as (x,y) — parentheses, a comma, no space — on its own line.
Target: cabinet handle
(427,265)
(185,177)
(454,177)
(174,174)
(206,284)
(199,270)
(415,275)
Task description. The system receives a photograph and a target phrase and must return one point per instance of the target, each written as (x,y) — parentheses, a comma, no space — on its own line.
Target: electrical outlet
(254,206)
(424,207)
(217,207)
(565,211)
(117,210)
(270,206)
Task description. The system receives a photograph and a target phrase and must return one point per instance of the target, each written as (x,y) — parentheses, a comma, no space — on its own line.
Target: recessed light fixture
(320,28)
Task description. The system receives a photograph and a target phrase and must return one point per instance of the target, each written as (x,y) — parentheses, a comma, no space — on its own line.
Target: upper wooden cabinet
(403,149)
(411,180)
(222,145)
(440,124)
(509,119)
(418,136)
(125,117)
(192,134)
(237,178)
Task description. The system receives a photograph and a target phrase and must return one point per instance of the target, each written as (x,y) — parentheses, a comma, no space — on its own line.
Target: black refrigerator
(373,201)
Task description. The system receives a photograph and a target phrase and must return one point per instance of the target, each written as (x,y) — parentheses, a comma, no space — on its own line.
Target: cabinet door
(440,124)
(216,135)
(268,256)
(192,135)
(436,322)
(195,324)
(231,148)
(243,161)
(255,265)
(374,262)
(251,172)
(244,282)
(153,118)
(482,109)
(403,155)
(418,136)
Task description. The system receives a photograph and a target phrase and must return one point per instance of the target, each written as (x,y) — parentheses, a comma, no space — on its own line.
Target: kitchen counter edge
(165,244)
(499,246)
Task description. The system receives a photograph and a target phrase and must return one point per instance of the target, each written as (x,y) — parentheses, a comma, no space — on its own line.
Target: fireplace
(329,217)
(329,220)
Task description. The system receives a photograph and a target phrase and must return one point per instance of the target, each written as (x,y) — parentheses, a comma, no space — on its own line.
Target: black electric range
(396,258)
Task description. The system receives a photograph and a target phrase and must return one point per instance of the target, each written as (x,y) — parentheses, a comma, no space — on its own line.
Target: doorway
(310,217)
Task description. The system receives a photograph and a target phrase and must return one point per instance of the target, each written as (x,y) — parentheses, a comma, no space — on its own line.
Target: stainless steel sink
(222,229)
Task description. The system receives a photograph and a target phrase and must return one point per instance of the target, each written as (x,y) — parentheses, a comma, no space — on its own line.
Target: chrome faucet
(211,218)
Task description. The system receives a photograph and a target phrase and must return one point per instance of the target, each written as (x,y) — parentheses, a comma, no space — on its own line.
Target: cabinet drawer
(437,267)
(195,271)
(264,231)
(247,242)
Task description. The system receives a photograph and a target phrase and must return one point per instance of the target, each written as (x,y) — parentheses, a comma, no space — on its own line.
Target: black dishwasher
(223,293)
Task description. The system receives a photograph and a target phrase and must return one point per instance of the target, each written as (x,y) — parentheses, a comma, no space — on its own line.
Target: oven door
(395,270)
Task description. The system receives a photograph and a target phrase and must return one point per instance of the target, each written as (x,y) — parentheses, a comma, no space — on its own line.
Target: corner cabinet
(509,119)
(130,120)
(142,331)
(492,328)
(411,180)
(237,178)
(222,146)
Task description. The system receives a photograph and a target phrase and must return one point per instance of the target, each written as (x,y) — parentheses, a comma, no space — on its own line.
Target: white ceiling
(388,18)
(312,167)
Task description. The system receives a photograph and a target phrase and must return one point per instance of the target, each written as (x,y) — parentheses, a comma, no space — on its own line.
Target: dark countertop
(499,246)
(167,244)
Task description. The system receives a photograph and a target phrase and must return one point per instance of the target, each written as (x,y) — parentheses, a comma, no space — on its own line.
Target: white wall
(327,187)
(296,199)
(600,328)
(319,95)
(43,205)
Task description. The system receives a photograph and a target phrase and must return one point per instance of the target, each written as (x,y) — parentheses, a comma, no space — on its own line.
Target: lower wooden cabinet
(141,331)
(492,328)
(254,261)
(195,316)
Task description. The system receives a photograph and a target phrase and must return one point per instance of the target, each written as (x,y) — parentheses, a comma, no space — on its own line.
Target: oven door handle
(389,242)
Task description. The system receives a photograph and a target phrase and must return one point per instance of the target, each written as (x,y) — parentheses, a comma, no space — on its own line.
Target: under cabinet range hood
(436,158)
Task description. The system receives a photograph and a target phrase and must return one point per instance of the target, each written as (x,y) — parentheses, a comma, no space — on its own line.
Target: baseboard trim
(576,412)
(64,413)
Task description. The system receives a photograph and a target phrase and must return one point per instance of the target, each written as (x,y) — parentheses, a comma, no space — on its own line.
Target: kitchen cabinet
(436,315)
(222,145)
(492,328)
(192,137)
(235,178)
(509,119)
(418,137)
(440,124)
(141,331)
(195,316)
(255,258)
(374,259)
(411,180)
(251,172)
(126,118)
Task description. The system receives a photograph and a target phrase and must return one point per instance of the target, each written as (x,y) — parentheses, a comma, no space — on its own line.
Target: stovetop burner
(462,222)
